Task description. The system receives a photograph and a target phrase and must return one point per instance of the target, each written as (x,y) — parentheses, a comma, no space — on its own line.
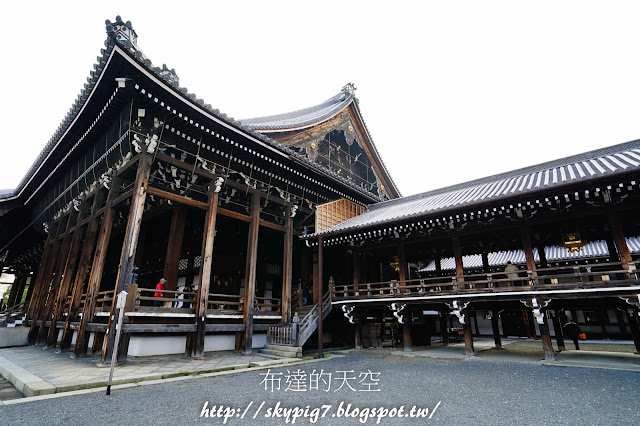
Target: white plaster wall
(164,345)
(75,335)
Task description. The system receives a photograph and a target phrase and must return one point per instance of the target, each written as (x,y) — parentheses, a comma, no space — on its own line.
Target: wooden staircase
(286,340)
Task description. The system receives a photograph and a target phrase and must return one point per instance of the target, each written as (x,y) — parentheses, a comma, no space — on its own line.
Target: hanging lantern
(573,242)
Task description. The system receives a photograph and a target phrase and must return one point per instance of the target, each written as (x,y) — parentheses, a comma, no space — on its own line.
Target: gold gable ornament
(573,242)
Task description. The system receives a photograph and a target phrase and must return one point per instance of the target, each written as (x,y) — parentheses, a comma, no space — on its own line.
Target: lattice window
(197,261)
(273,269)
(182,264)
(336,212)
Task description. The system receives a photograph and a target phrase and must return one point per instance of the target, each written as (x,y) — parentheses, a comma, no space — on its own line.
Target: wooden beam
(97,267)
(211,176)
(177,198)
(67,277)
(250,273)
(287,267)
(318,292)
(128,254)
(122,197)
(174,247)
(205,274)
(47,312)
(81,275)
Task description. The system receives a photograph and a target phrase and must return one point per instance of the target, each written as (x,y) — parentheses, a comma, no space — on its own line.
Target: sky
(450,91)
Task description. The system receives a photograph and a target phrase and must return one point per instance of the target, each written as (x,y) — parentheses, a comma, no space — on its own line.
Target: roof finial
(122,31)
(349,88)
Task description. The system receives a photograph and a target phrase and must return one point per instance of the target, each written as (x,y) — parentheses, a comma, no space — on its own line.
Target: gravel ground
(489,389)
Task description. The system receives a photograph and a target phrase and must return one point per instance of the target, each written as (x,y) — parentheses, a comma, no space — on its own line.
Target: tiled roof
(302,117)
(169,77)
(582,167)
(517,257)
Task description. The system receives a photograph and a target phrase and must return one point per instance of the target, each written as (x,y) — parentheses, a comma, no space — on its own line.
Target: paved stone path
(48,372)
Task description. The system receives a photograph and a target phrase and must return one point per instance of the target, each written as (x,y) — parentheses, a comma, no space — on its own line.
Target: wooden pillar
(358,329)
(38,279)
(633,325)
(528,250)
(545,336)
(30,286)
(475,323)
(18,283)
(128,255)
(485,262)
(36,305)
(355,259)
(67,277)
(557,327)
(97,267)
(20,291)
(495,325)
(287,267)
(402,263)
(611,248)
(81,274)
(250,274)
(174,247)
(438,263)
(444,327)
(205,274)
(468,336)
(406,331)
(543,256)
(457,254)
(61,262)
(319,292)
(618,238)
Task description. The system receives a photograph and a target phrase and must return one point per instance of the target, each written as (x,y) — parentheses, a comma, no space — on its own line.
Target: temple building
(265,228)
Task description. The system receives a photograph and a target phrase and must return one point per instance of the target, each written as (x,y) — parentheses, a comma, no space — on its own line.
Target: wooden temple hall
(274,230)
(142,180)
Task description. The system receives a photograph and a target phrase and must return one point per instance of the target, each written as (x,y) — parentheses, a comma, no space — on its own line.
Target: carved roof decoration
(580,168)
(121,34)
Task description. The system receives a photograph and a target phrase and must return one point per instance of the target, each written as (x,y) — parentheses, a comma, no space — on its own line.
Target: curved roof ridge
(302,117)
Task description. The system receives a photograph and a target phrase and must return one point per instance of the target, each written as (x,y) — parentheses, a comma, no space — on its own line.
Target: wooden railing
(184,301)
(297,333)
(104,301)
(596,275)
(283,335)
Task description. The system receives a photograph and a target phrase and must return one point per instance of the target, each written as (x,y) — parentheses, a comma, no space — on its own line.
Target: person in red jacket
(158,293)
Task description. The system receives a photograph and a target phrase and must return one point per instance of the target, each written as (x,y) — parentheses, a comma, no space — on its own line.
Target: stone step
(283,354)
(294,349)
